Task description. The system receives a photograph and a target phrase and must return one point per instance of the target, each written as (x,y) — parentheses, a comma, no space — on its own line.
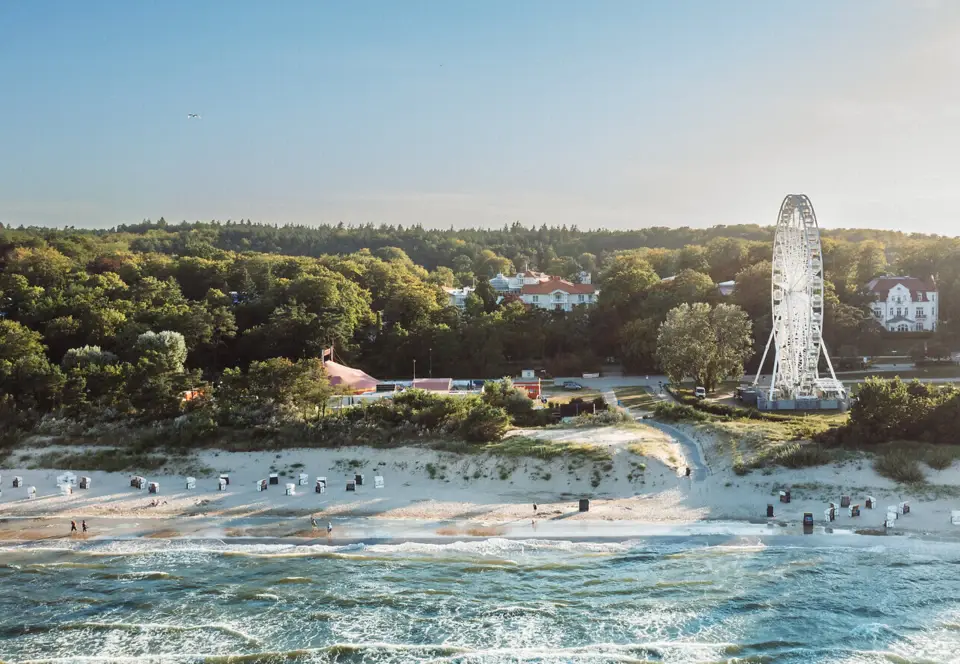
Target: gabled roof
(901,319)
(918,287)
(562,285)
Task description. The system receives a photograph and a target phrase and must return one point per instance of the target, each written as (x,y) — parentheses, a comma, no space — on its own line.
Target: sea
(659,599)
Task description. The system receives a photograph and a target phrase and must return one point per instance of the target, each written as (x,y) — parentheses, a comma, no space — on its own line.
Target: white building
(457,297)
(559,294)
(514,283)
(905,304)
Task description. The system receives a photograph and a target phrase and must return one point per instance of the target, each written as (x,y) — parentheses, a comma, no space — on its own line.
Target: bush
(939,458)
(900,466)
(675,412)
(485,423)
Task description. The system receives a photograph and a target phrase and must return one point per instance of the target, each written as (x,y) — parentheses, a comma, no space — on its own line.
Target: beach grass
(109,460)
(537,448)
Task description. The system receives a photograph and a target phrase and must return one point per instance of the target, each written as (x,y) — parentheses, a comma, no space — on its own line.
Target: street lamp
(414,371)
(431,361)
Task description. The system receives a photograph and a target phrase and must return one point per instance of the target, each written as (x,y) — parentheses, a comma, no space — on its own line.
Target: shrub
(484,423)
(899,466)
(674,412)
(939,458)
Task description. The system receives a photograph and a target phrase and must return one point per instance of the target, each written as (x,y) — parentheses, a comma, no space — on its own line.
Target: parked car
(700,393)
(572,385)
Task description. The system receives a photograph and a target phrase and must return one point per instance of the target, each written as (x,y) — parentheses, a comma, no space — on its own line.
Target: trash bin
(584,504)
(769,510)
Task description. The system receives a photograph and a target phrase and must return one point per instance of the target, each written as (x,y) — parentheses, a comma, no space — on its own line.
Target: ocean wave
(17,630)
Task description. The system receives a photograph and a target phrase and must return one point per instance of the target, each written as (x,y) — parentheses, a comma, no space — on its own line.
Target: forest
(124,320)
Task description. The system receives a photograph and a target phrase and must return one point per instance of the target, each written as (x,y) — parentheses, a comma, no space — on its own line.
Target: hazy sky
(616,114)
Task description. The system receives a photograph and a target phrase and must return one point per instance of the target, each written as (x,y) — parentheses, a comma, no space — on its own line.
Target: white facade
(457,297)
(905,304)
(559,295)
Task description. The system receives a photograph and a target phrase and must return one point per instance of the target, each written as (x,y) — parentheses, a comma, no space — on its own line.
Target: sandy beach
(435,494)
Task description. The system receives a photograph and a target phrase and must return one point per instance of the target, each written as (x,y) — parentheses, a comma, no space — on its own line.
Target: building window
(536,298)
(877,313)
(559,307)
(899,311)
(919,327)
(902,327)
(583,298)
(558,296)
(920,313)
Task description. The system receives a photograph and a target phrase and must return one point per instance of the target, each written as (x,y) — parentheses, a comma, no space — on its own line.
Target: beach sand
(429,493)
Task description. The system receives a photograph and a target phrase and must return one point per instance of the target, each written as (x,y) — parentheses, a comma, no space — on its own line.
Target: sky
(610,114)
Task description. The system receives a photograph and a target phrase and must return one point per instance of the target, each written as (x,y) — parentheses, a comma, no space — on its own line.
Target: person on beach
(329,527)
(313,523)
(534,508)
(83,525)
(73,527)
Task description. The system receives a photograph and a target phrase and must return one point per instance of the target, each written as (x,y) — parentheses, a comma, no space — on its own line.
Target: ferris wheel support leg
(826,356)
(763,359)
(773,377)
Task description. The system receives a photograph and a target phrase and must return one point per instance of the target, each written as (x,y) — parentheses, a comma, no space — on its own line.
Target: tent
(350,379)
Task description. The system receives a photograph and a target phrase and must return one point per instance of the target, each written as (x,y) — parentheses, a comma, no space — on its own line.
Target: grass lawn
(564,396)
(636,397)
(943,371)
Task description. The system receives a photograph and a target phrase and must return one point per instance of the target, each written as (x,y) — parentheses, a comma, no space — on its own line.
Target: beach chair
(153,487)
(321,486)
(65,489)
(955,517)
(854,510)
(225,479)
(358,478)
(351,485)
(844,501)
(85,482)
(291,489)
(17,482)
(871,502)
(377,482)
(31,492)
(903,508)
(274,478)
(191,482)
(304,479)
(261,485)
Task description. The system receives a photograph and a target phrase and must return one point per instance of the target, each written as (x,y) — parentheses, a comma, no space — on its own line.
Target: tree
(86,356)
(18,341)
(704,343)
(167,350)
(638,345)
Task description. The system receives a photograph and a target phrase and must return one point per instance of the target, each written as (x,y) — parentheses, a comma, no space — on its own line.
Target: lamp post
(431,361)
(414,371)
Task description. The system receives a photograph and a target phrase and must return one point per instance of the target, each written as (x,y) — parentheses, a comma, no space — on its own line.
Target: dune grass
(641,398)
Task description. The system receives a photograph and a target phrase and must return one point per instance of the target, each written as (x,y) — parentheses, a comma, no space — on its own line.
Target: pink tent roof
(433,384)
(349,377)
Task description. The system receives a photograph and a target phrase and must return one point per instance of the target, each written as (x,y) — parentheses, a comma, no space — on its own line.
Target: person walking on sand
(313,523)
(83,526)
(73,527)
(534,508)
(329,527)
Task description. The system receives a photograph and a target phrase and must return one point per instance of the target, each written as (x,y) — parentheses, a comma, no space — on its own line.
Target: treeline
(240,295)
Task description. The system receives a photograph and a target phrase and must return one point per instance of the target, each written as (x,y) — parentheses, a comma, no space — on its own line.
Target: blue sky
(613,114)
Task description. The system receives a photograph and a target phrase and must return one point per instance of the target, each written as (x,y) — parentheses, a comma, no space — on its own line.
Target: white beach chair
(65,489)
(377,482)
(955,517)
(304,479)
(191,482)
(291,489)
(31,492)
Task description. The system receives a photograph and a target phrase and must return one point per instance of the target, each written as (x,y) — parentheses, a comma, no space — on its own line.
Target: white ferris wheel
(797,306)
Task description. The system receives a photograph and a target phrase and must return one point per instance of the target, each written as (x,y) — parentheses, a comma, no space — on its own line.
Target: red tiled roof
(547,287)
(918,287)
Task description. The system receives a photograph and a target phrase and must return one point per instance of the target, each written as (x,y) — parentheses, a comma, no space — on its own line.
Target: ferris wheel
(797,301)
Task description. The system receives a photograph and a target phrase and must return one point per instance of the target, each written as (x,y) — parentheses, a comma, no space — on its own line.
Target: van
(700,393)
